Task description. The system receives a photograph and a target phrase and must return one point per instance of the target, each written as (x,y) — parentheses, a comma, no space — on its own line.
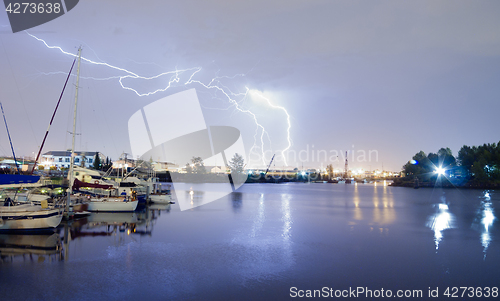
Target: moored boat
(10,179)
(159,195)
(28,217)
(161,198)
(22,195)
(112,204)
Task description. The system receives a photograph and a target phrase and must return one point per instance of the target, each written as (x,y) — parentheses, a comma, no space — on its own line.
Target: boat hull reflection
(113,218)
(19,244)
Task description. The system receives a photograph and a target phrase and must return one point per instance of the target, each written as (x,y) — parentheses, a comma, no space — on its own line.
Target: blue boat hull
(6,179)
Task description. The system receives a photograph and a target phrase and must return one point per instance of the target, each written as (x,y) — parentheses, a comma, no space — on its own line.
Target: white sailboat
(99,203)
(112,204)
(28,217)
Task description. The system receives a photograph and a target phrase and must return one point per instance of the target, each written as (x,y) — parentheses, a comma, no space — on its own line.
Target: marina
(252,150)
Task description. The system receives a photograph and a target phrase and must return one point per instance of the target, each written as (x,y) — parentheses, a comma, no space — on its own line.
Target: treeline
(476,166)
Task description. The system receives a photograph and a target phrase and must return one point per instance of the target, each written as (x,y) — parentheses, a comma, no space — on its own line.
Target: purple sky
(394,77)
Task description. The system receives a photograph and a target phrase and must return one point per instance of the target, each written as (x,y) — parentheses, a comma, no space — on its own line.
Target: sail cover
(77,184)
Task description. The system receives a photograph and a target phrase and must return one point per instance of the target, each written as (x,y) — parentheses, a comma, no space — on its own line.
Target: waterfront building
(62,159)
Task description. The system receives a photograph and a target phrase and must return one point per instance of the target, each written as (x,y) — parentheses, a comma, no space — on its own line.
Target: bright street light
(440,171)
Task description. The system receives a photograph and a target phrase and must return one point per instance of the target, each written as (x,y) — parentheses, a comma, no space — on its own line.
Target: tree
(478,170)
(466,158)
(97,161)
(434,159)
(107,165)
(423,164)
(199,166)
(418,165)
(237,164)
(446,158)
(237,167)
(189,169)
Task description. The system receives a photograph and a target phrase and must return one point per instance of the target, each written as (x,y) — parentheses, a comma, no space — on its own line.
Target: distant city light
(303,173)
(414,162)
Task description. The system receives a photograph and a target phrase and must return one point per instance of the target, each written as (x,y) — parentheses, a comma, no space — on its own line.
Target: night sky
(394,77)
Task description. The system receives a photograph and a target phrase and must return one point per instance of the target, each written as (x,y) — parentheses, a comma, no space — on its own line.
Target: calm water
(259,242)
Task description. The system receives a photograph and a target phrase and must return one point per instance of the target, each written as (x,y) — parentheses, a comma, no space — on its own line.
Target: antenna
(346,167)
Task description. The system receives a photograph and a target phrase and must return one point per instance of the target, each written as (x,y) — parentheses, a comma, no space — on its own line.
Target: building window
(67,160)
(60,159)
(77,160)
(90,160)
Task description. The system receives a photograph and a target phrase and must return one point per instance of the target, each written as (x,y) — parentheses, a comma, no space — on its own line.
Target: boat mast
(53,115)
(12,147)
(74,133)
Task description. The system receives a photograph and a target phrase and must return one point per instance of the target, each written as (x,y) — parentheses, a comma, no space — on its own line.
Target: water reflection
(358,213)
(287,227)
(381,207)
(284,233)
(120,227)
(441,221)
(191,195)
(259,218)
(195,196)
(237,201)
(32,247)
(385,214)
(267,244)
(286,217)
(485,217)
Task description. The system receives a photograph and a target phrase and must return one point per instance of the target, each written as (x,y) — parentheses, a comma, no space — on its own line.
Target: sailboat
(110,203)
(28,217)
(12,179)
(96,203)
(14,216)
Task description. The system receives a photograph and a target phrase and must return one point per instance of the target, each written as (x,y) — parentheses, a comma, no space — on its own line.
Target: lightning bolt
(175,78)
(287,120)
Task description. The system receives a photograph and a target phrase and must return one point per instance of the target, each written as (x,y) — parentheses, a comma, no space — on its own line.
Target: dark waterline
(259,242)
